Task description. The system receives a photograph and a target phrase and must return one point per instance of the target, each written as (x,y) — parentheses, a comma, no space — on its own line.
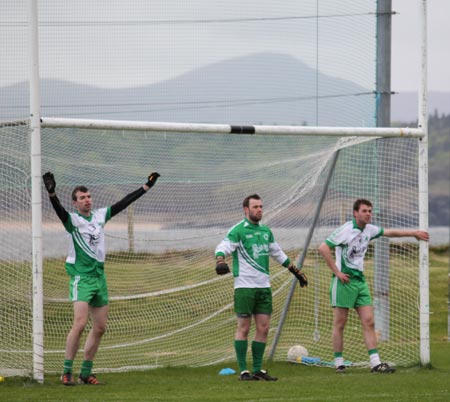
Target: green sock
(68,366)
(241,353)
(258,349)
(86,368)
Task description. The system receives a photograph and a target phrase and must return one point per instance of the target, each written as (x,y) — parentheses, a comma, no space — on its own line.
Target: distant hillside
(438,167)
(263,88)
(404,105)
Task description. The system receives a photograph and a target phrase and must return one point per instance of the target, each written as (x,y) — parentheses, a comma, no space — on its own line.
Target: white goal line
(51,122)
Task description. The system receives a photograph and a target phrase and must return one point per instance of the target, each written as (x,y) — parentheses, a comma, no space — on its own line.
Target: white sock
(338,361)
(375,359)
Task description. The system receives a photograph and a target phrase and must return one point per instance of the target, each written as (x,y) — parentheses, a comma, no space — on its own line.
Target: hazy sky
(406,32)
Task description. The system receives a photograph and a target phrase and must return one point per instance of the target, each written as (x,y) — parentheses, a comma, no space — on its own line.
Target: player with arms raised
(85,266)
(251,243)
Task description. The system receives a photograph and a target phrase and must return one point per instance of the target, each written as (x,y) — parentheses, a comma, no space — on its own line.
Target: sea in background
(15,243)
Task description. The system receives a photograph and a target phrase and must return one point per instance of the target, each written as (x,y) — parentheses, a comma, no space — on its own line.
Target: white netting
(235,62)
(240,62)
(15,256)
(168,307)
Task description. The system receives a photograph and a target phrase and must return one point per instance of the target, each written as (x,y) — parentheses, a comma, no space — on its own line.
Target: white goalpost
(168,307)
(199,128)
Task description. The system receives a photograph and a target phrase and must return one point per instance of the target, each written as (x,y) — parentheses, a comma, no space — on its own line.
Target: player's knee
(263,329)
(368,322)
(263,332)
(242,332)
(339,324)
(79,324)
(99,329)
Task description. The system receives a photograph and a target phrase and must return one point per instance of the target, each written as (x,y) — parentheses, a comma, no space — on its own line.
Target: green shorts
(354,294)
(249,301)
(90,289)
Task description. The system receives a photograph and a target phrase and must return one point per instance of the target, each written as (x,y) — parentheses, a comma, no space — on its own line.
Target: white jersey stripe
(333,290)
(75,288)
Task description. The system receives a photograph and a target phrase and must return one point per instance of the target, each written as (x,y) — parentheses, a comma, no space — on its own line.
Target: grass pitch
(296,382)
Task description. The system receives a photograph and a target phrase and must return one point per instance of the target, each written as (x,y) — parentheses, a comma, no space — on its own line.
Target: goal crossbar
(201,128)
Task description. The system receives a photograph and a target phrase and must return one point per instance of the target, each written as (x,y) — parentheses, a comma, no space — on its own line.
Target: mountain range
(262,88)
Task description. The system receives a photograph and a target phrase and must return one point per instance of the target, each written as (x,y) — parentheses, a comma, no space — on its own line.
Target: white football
(295,353)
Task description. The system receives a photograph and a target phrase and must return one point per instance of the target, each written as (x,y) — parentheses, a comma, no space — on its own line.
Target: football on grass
(295,353)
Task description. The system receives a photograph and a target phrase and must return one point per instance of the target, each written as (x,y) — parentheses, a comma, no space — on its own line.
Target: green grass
(296,383)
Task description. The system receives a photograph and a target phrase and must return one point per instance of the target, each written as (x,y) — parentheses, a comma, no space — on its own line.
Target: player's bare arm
(418,234)
(327,255)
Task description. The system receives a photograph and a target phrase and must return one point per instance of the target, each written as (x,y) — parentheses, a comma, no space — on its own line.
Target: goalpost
(167,305)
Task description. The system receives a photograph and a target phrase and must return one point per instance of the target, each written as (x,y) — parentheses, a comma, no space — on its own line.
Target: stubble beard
(254,218)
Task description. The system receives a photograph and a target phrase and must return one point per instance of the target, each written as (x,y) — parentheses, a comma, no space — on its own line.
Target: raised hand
(49,182)
(152,179)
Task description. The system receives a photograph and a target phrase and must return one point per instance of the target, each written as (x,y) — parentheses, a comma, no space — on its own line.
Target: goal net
(253,62)
(168,307)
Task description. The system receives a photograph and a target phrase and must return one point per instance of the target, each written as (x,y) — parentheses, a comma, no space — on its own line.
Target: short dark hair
(82,189)
(246,201)
(359,202)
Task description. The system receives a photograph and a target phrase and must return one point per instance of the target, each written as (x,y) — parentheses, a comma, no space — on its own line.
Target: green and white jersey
(87,246)
(251,245)
(350,243)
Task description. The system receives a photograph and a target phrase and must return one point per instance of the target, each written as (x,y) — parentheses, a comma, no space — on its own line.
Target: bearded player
(251,243)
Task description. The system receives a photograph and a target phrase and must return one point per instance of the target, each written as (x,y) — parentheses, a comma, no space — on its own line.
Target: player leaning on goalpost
(251,243)
(348,285)
(85,266)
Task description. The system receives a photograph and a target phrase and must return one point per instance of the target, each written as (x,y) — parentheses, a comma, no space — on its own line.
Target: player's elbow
(324,248)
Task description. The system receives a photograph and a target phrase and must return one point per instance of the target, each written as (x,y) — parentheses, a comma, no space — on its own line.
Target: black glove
(49,182)
(301,277)
(222,268)
(152,179)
